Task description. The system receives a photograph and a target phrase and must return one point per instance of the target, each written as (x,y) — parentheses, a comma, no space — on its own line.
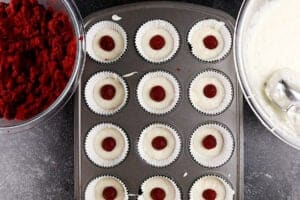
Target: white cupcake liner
(178,195)
(160,24)
(216,25)
(94,157)
(155,74)
(154,162)
(228,186)
(226,152)
(90,188)
(89,97)
(228,87)
(94,30)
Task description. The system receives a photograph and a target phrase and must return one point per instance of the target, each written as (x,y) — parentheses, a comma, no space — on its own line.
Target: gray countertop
(38,163)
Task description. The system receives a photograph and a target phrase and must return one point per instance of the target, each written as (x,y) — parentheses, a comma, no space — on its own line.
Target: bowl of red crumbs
(41,60)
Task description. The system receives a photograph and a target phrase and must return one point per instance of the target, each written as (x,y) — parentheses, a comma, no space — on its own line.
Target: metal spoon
(292,96)
(291,93)
(280,91)
(287,98)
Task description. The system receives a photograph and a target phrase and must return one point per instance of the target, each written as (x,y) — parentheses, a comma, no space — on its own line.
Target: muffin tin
(132,118)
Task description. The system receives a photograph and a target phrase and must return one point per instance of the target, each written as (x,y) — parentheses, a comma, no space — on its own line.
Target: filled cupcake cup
(106,93)
(211,186)
(211,92)
(158,92)
(106,42)
(106,187)
(159,145)
(212,145)
(159,187)
(106,145)
(210,40)
(157,41)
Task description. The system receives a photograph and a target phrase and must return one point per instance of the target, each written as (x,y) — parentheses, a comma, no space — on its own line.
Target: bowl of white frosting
(267,41)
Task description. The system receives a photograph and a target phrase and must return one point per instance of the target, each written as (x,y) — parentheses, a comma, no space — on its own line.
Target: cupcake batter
(159,145)
(210,40)
(211,92)
(211,145)
(158,92)
(106,188)
(158,187)
(211,187)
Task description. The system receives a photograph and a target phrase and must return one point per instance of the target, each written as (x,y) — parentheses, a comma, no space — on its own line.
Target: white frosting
(272,43)
(205,28)
(94,149)
(223,190)
(156,157)
(95,188)
(106,28)
(219,102)
(170,188)
(170,85)
(212,157)
(94,98)
(153,28)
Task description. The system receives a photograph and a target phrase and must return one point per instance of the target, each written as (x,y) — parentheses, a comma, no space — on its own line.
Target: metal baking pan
(133,119)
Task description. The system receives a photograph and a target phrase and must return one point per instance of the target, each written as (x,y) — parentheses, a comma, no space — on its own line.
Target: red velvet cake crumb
(210,91)
(108,144)
(157,42)
(209,194)
(108,92)
(209,142)
(158,93)
(107,43)
(158,194)
(159,143)
(37,55)
(109,193)
(210,42)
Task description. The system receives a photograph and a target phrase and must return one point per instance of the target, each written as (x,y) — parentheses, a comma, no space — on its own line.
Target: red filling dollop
(107,43)
(158,194)
(108,144)
(209,142)
(37,53)
(109,193)
(209,194)
(210,91)
(210,42)
(159,143)
(108,92)
(157,42)
(158,93)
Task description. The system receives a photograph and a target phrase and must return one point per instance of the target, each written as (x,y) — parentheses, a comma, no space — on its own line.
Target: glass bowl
(69,7)
(245,17)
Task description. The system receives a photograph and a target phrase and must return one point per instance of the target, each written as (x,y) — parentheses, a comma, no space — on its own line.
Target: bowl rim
(67,93)
(241,75)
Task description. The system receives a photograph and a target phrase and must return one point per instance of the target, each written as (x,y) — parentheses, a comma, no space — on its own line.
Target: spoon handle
(293,115)
(291,93)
